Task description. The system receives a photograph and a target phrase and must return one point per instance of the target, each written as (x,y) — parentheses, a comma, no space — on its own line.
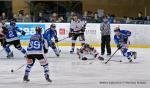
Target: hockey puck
(12,70)
(120,60)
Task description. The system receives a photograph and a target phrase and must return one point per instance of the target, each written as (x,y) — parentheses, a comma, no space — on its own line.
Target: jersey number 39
(35,45)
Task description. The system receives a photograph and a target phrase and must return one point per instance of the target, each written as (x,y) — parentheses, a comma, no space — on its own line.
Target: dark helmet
(53,26)
(117,29)
(86,45)
(38,29)
(13,22)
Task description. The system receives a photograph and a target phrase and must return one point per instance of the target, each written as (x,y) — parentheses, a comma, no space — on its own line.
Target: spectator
(147,20)
(111,18)
(100,14)
(27,18)
(128,20)
(140,18)
(40,18)
(60,20)
(85,15)
(54,17)
(96,18)
(15,16)
(90,17)
(69,18)
(20,18)
(3,17)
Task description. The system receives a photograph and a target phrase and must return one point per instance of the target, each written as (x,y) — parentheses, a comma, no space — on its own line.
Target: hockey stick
(62,39)
(111,56)
(1,50)
(18,68)
(115,60)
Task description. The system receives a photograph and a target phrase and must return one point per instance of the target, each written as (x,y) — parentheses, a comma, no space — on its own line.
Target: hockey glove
(23,33)
(56,40)
(70,35)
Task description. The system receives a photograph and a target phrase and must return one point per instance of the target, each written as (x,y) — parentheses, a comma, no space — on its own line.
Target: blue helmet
(12,23)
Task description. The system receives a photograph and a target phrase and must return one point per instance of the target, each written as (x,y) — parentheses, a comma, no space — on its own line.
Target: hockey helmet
(117,29)
(86,45)
(52,26)
(38,29)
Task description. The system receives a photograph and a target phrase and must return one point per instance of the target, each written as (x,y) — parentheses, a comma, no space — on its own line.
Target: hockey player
(1,33)
(77,29)
(121,40)
(86,50)
(2,36)
(12,38)
(49,34)
(35,50)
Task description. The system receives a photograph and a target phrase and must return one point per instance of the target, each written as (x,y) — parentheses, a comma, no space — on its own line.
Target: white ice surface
(68,71)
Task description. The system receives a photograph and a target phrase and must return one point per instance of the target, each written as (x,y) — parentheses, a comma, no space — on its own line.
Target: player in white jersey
(1,33)
(87,50)
(77,29)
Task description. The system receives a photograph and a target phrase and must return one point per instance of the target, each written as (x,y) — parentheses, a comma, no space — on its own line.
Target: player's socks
(46,69)
(28,69)
(22,50)
(46,73)
(10,55)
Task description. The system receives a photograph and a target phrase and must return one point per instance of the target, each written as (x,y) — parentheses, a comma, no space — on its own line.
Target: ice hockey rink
(68,71)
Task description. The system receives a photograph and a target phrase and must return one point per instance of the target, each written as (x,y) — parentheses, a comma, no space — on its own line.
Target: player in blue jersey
(121,40)
(48,35)
(2,35)
(12,38)
(35,50)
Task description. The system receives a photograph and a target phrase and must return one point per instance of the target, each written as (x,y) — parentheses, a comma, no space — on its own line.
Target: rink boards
(139,39)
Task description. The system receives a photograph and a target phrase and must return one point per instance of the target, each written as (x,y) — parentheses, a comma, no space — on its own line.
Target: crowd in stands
(90,17)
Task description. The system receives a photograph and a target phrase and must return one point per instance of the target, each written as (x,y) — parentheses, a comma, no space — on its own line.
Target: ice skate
(47,78)
(26,79)
(134,55)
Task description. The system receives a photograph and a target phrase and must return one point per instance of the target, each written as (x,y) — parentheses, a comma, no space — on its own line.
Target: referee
(105,37)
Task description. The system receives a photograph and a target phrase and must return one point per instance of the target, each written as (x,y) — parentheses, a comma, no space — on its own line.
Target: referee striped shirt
(105,29)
